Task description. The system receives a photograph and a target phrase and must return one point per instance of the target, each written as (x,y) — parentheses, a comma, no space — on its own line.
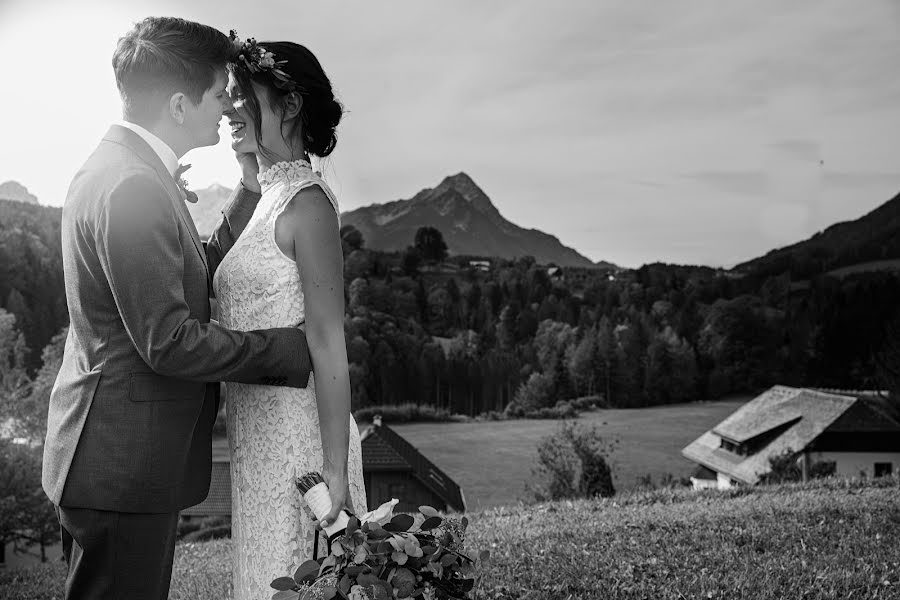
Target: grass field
(492,460)
(828,539)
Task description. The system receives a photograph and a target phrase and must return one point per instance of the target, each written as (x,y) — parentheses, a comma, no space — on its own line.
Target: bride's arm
(307,231)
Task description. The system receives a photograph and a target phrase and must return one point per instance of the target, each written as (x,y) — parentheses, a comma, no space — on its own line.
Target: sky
(692,132)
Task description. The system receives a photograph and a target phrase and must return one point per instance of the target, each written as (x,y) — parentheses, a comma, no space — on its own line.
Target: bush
(404,413)
(666,481)
(188,526)
(562,410)
(492,415)
(572,464)
(785,468)
(209,533)
(533,395)
(587,403)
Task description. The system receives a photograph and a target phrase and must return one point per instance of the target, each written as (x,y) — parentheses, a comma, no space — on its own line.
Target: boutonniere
(182,184)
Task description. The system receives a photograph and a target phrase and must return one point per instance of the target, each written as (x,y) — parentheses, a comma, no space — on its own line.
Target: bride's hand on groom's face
(339,490)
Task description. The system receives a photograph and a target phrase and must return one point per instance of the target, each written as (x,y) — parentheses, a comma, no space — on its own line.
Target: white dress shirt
(166,154)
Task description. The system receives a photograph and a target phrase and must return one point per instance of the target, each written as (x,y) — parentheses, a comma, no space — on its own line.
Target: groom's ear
(291,105)
(178,107)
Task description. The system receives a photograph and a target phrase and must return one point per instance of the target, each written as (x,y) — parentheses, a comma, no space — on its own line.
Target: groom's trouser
(113,555)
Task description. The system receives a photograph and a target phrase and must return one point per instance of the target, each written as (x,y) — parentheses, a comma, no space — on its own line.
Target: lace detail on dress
(273,432)
(285,170)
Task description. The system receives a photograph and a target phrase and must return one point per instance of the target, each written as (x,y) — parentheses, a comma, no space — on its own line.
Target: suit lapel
(126,137)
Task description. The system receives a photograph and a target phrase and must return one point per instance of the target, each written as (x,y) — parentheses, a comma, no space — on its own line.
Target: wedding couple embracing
(131,415)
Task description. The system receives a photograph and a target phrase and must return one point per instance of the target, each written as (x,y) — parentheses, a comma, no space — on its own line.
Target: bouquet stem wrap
(319,501)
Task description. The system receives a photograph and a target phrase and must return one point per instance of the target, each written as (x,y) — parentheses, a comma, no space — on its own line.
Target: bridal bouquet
(381,556)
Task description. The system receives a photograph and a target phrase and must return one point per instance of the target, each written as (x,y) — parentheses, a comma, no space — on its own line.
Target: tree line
(480,335)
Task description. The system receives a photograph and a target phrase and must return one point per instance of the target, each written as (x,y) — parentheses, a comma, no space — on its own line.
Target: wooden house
(859,432)
(392,468)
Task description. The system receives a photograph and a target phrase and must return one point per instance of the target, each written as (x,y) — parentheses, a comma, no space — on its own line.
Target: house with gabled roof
(857,431)
(392,468)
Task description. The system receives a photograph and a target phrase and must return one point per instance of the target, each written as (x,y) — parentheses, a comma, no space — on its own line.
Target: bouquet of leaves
(380,556)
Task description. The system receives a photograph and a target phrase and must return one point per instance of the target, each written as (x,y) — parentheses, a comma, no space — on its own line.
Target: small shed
(392,468)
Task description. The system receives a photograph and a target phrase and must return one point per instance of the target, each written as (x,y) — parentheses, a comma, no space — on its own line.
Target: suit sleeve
(235,217)
(139,248)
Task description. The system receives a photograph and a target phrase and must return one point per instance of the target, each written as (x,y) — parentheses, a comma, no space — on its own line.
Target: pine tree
(430,244)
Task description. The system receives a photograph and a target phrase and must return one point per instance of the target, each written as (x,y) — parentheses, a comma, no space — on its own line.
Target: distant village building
(392,468)
(480,265)
(857,431)
(555,273)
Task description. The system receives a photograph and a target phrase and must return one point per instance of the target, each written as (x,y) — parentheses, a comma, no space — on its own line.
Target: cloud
(667,129)
(745,183)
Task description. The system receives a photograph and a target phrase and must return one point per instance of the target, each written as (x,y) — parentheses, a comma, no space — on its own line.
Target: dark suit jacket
(131,414)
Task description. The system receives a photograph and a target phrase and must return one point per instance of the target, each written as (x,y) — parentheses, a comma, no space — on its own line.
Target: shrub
(562,410)
(209,533)
(785,468)
(533,395)
(188,526)
(666,481)
(587,403)
(572,464)
(492,415)
(403,413)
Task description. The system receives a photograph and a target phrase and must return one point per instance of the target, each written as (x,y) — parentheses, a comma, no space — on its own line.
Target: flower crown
(257,59)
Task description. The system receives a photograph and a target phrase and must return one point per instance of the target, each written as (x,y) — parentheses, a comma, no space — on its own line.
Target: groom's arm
(139,248)
(235,215)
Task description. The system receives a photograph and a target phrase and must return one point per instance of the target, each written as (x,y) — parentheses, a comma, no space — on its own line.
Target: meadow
(827,539)
(492,460)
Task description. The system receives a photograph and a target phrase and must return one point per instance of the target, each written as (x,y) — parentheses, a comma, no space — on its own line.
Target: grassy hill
(827,539)
(492,460)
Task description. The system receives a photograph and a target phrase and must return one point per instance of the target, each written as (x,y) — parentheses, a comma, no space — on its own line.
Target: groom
(131,414)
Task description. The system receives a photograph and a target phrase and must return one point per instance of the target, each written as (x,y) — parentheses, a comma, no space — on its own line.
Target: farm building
(858,433)
(392,468)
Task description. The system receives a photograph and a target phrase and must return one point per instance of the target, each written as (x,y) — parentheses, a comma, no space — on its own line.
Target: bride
(286,268)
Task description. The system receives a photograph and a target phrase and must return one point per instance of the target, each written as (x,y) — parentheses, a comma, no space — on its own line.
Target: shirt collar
(165,153)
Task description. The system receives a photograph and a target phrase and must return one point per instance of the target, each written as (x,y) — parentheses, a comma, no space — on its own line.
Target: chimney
(376,420)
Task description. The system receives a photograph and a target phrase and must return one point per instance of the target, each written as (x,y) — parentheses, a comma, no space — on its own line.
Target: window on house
(883,469)
(732,447)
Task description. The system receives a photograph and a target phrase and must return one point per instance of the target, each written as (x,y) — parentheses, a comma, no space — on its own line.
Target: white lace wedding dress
(273,432)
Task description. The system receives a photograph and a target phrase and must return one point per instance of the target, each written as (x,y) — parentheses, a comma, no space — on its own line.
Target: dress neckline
(285,170)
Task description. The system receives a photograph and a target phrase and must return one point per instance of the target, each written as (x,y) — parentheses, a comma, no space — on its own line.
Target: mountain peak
(218,189)
(13,190)
(468,220)
(462,184)
(460,178)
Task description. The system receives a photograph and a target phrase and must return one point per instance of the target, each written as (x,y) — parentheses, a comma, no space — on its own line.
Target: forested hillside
(480,334)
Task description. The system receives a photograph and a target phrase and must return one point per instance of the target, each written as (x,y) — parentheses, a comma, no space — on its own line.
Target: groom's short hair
(163,55)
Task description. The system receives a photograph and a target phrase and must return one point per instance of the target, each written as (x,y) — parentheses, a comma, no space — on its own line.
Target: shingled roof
(781,419)
(384,449)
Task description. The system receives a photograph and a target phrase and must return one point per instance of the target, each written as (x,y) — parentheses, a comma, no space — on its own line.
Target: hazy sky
(691,132)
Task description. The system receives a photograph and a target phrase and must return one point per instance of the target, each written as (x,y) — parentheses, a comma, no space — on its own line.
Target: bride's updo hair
(320,113)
